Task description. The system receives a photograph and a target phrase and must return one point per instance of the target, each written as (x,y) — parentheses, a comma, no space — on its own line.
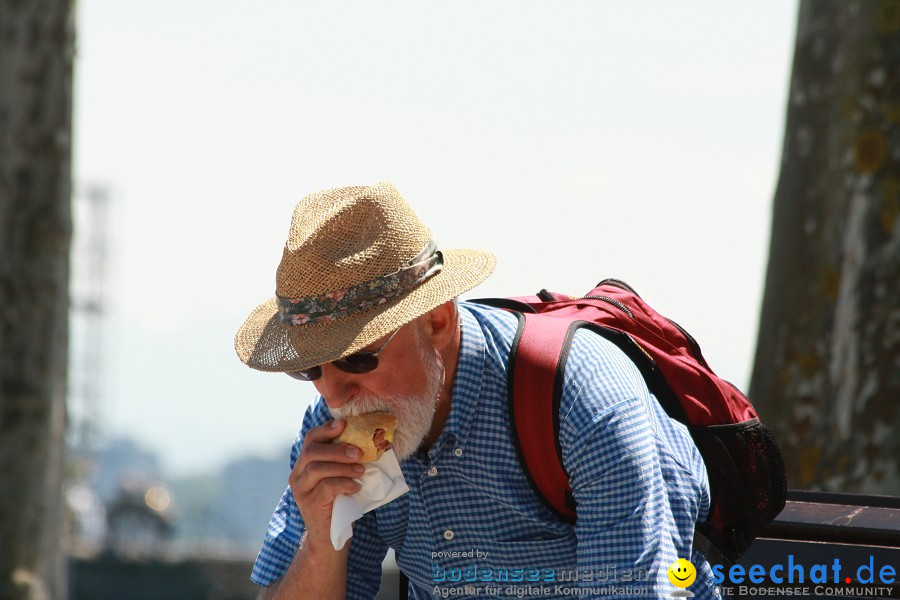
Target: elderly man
(365,309)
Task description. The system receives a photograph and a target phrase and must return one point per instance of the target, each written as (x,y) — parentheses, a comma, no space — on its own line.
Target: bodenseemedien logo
(682,574)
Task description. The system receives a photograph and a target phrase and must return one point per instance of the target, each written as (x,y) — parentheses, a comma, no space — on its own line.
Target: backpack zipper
(612,301)
(695,347)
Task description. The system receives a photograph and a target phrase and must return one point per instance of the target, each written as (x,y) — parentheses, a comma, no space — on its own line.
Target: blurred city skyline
(120,501)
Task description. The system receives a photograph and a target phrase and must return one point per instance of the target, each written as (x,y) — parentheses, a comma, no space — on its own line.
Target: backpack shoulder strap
(536,363)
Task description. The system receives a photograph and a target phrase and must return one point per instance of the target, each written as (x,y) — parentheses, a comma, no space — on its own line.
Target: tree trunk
(827,372)
(36,53)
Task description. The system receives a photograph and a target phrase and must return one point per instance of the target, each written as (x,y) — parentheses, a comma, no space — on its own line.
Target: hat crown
(345,236)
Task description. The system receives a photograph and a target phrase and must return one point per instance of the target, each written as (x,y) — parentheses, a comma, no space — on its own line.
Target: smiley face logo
(682,573)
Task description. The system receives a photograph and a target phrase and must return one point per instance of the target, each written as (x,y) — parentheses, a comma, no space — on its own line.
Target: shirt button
(458,452)
(448,535)
(432,471)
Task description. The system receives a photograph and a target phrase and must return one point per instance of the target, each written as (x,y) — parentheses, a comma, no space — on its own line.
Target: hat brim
(264,343)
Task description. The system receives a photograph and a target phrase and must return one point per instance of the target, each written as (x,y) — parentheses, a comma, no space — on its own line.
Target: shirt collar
(467,383)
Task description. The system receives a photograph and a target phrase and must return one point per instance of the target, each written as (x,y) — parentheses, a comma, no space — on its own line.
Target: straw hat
(358,264)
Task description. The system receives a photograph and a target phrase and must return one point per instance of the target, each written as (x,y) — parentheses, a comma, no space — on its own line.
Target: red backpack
(744,464)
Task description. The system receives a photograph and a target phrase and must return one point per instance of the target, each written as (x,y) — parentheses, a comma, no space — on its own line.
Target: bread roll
(372,433)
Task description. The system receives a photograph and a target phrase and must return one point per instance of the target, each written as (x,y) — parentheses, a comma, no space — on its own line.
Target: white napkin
(382,482)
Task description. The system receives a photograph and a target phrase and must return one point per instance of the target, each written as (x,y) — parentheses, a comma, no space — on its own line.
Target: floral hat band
(331,306)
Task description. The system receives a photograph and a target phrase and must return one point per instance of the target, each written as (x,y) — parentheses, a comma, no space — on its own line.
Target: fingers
(326,432)
(324,471)
(317,472)
(318,445)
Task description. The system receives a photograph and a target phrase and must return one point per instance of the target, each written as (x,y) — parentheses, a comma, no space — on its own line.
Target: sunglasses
(359,363)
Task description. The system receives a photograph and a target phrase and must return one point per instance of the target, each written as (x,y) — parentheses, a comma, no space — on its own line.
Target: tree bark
(827,371)
(36,55)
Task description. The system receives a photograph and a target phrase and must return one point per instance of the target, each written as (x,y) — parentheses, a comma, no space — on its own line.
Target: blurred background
(576,141)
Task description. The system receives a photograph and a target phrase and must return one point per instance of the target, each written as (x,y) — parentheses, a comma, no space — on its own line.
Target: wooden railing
(819,529)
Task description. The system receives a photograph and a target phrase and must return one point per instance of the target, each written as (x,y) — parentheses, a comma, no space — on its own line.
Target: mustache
(361,406)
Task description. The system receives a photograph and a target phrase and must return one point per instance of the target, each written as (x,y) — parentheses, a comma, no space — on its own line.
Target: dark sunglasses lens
(362,362)
(307,374)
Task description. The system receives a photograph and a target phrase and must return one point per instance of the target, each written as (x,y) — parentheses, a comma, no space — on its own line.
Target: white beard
(414,413)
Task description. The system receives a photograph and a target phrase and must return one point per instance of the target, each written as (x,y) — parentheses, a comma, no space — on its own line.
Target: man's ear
(441,324)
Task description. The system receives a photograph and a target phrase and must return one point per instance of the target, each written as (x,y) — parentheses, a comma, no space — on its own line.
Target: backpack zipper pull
(546,296)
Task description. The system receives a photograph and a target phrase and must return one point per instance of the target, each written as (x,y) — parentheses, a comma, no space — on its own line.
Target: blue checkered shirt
(471,519)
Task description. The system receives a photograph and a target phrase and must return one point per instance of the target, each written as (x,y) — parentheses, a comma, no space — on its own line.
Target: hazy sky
(575,140)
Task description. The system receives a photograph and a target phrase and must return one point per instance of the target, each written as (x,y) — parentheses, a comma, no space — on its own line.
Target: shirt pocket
(532,559)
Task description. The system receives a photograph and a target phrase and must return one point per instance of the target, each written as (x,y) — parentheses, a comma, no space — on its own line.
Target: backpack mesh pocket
(746,474)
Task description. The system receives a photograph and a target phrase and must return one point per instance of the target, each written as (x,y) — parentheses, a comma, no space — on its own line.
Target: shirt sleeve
(636,502)
(367,552)
(286,526)
(286,529)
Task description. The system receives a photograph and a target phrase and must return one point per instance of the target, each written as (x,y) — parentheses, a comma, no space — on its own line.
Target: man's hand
(322,472)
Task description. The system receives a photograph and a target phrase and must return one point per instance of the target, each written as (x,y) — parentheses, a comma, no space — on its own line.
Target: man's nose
(336,386)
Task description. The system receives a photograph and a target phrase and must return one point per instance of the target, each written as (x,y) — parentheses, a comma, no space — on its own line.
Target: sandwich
(372,433)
